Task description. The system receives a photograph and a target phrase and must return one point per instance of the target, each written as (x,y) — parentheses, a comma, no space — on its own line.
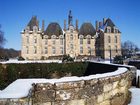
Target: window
(35,29)
(108,30)
(81,50)
(27,50)
(116,49)
(71,30)
(109,39)
(53,41)
(81,40)
(46,41)
(109,48)
(35,39)
(71,46)
(88,40)
(53,50)
(46,50)
(61,50)
(116,40)
(35,50)
(71,37)
(61,41)
(27,38)
(89,50)
(116,30)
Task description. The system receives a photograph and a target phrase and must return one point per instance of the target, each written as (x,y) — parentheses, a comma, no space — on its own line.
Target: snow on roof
(20,88)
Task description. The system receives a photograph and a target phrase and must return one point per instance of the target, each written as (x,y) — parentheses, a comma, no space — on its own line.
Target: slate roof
(33,22)
(87,29)
(111,24)
(53,29)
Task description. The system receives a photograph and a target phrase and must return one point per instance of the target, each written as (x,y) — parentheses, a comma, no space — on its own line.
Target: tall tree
(2,39)
(129,49)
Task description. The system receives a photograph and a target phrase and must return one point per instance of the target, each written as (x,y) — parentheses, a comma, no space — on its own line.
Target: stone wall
(112,90)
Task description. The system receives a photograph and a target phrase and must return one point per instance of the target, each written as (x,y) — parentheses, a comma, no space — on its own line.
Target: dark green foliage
(67,58)
(39,70)
(118,59)
(21,58)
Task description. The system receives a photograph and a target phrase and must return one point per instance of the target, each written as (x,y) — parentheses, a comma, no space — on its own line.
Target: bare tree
(129,49)
(2,39)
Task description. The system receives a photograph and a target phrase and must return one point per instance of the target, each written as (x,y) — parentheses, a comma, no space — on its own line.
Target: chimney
(100,24)
(97,25)
(43,25)
(104,20)
(76,24)
(64,25)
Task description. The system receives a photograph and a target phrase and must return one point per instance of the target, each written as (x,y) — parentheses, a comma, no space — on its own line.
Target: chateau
(54,42)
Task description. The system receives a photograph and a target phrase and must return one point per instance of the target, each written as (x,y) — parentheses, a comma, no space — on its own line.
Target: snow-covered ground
(35,61)
(135,96)
(20,88)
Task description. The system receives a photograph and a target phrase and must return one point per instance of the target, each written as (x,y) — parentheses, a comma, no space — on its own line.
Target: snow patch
(135,96)
(20,88)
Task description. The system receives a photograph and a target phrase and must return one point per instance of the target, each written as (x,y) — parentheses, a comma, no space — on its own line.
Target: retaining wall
(112,90)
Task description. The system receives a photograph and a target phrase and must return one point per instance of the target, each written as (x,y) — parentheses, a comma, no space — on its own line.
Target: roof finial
(70,18)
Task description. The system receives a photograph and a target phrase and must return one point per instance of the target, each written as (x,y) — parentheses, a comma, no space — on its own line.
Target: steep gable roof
(33,22)
(110,23)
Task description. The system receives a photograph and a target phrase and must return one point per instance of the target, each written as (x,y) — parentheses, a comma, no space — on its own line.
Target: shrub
(118,59)
(20,58)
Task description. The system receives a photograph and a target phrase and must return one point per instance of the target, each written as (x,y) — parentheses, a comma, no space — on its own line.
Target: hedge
(39,70)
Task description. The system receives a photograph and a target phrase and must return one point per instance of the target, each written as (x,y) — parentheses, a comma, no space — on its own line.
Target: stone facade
(103,91)
(38,43)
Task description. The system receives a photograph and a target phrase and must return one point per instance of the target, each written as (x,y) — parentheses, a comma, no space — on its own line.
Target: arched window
(109,39)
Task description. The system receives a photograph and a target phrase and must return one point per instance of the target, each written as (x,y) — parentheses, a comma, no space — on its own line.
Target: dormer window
(27,29)
(71,30)
(35,29)
(108,29)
